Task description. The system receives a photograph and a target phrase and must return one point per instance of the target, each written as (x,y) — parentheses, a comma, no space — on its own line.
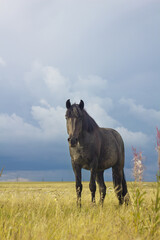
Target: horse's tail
(124,185)
(125,193)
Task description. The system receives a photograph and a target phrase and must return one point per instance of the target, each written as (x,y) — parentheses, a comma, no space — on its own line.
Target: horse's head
(74,116)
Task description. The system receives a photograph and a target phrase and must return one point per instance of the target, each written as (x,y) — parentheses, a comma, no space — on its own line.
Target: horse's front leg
(77,172)
(92,184)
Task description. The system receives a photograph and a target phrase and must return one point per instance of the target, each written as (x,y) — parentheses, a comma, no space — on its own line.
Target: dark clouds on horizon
(104,52)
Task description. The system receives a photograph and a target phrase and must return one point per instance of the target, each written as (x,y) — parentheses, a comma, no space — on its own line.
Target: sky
(105,52)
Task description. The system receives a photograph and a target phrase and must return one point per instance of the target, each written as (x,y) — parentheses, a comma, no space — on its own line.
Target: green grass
(44,211)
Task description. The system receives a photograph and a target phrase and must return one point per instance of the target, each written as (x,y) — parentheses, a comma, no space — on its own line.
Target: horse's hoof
(127,199)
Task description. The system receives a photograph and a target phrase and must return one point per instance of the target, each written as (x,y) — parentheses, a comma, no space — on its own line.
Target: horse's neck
(86,135)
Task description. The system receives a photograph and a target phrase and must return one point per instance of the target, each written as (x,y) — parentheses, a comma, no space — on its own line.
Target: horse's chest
(79,152)
(81,155)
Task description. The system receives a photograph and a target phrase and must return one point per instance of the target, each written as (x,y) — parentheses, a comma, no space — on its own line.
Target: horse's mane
(89,123)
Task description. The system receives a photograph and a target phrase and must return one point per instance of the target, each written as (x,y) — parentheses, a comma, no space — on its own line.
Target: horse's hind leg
(92,184)
(117,175)
(102,186)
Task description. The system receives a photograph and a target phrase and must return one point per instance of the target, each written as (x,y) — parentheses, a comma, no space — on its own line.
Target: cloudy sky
(105,52)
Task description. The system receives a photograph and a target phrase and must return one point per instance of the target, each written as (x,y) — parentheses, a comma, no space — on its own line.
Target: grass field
(44,211)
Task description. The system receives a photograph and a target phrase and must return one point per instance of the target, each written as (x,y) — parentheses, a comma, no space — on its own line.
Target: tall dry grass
(47,211)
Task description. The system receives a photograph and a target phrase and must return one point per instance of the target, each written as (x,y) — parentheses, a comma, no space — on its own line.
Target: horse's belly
(106,164)
(108,161)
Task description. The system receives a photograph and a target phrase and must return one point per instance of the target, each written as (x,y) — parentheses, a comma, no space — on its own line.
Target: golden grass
(46,211)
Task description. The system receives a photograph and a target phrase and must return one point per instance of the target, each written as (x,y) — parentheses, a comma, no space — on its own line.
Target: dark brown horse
(95,149)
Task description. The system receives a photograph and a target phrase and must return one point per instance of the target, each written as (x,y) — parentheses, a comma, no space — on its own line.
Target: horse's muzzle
(72,141)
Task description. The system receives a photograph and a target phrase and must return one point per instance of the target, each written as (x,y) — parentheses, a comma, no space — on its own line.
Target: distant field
(46,211)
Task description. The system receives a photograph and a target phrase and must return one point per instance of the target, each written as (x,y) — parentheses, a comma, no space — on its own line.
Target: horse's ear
(81,105)
(68,104)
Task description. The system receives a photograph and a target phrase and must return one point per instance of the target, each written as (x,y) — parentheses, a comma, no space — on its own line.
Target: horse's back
(112,149)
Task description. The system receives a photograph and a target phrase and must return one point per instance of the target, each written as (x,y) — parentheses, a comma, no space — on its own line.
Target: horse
(96,149)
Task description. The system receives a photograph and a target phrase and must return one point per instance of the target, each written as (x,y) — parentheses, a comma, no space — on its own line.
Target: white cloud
(13,128)
(101,116)
(51,123)
(150,116)
(91,84)
(46,82)
(55,82)
(44,103)
(133,138)
(2,62)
